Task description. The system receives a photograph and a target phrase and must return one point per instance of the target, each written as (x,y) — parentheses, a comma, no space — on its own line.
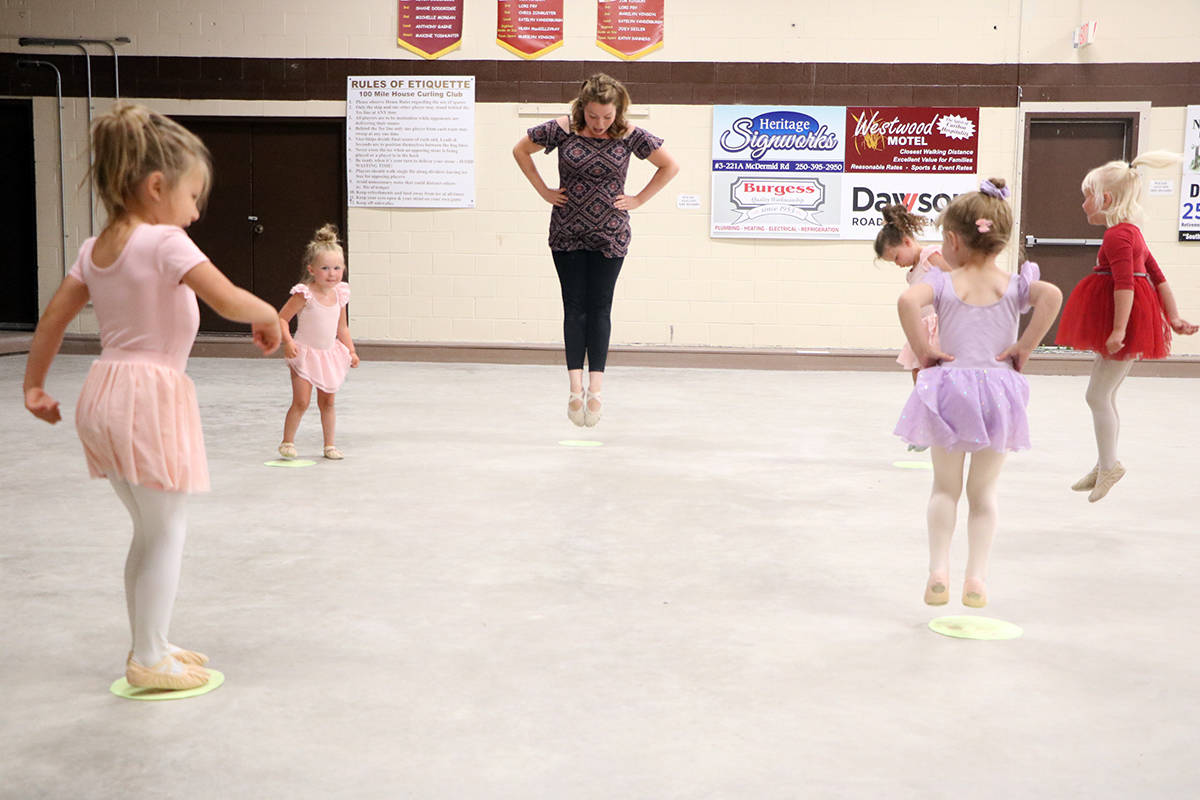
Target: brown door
(276,182)
(19,300)
(1059,151)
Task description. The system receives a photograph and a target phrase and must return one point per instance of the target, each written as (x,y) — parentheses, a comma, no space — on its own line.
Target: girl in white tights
(1122,311)
(137,416)
(970,395)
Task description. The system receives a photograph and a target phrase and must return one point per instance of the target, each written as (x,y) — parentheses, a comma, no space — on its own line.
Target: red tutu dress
(1124,262)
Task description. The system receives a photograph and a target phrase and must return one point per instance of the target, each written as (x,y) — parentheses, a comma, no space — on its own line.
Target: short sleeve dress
(907,357)
(592,173)
(323,360)
(973,402)
(1124,262)
(137,415)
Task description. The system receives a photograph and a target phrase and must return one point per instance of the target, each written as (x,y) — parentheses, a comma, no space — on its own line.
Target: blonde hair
(898,222)
(605,90)
(325,240)
(1123,180)
(130,142)
(970,211)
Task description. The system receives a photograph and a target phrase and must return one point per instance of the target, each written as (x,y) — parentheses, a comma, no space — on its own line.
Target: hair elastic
(989,188)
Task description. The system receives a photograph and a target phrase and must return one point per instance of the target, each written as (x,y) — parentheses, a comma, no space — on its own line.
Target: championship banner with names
(1189,185)
(430,28)
(529,28)
(629,29)
(798,172)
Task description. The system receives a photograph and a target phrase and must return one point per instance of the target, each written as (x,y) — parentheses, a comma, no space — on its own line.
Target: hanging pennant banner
(629,29)
(529,28)
(430,28)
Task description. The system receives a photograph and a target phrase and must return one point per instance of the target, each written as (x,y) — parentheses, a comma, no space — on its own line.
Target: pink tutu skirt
(907,357)
(138,420)
(324,369)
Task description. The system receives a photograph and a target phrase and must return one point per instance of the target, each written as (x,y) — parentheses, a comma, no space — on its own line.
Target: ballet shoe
(332,453)
(576,415)
(164,675)
(974,593)
(1105,480)
(590,417)
(190,657)
(937,593)
(1087,482)
(287,449)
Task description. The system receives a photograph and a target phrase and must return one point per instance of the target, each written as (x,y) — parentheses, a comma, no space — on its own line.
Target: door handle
(1036,241)
(258,228)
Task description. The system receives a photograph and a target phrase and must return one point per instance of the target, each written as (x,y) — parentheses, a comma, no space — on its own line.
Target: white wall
(485,275)
(967,31)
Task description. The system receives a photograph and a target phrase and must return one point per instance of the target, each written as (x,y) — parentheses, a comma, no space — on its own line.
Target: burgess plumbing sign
(826,172)
(776,172)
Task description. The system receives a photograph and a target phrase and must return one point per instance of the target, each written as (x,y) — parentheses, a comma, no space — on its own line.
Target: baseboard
(1047,362)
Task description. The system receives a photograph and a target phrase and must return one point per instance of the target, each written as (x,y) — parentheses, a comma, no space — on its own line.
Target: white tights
(1107,375)
(152,568)
(943,508)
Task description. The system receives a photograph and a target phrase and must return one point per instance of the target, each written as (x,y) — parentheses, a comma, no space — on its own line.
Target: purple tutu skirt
(964,409)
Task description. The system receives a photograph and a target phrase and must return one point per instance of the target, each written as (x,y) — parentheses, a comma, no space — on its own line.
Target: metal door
(1059,151)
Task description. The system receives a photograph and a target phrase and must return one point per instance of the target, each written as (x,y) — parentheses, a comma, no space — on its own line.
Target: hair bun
(999,183)
(326,233)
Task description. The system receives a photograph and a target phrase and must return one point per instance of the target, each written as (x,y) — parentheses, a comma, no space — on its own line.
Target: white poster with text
(1189,186)
(410,141)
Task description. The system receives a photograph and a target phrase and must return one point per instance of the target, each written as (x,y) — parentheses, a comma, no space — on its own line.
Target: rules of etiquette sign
(410,141)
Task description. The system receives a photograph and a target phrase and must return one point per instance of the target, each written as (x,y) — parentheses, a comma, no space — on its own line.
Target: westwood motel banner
(826,172)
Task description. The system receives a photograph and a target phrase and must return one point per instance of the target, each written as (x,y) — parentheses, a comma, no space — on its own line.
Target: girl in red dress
(1123,311)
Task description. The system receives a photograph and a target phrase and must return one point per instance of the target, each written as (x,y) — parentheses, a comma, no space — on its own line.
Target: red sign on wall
(629,29)
(529,28)
(430,28)
(911,140)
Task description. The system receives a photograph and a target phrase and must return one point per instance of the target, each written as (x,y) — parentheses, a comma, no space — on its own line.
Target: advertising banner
(784,172)
(529,28)
(1189,186)
(629,29)
(430,28)
(912,139)
(865,194)
(776,171)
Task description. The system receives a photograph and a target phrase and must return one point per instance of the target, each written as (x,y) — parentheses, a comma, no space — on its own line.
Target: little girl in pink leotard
(322,351)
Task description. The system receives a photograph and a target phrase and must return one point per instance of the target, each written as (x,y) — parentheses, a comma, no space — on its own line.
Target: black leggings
(588,280)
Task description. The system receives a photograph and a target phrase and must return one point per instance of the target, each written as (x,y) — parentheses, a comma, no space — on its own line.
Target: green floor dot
(912,464)
(121,688)
(290,462)
(580,443)
(970,627)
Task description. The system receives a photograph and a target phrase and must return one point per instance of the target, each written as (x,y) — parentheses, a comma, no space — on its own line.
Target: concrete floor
(723,601)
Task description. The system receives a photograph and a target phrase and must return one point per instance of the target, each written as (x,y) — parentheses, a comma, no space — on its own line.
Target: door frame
(1137,113)
(343,221)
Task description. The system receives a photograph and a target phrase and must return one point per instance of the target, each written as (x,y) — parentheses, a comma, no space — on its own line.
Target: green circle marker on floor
(121,688)
(969,627)
(293,462)
(912,464)
(580,443)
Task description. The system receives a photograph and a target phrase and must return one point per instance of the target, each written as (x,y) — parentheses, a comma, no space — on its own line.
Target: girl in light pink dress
(137,415)
(897,242)
(322,351)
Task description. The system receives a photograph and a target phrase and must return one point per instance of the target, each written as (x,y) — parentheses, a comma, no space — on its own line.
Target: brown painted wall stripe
(653,82)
